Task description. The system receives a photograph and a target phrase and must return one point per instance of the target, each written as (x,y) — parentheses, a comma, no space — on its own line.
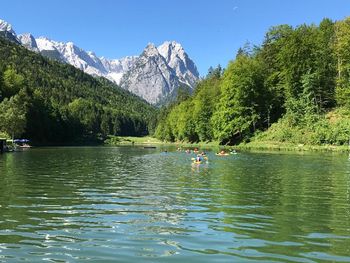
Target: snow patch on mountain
(44,43)
(117,67)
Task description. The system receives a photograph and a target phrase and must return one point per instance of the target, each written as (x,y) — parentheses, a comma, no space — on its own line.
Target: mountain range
(155,75)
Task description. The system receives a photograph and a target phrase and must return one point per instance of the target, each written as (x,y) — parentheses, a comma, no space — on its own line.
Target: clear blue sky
(210,31)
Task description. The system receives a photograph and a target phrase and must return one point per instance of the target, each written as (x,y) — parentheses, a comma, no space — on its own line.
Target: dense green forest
(294,87)
(50,102)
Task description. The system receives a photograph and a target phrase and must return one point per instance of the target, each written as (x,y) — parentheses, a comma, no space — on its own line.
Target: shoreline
(289,147)
(252,146)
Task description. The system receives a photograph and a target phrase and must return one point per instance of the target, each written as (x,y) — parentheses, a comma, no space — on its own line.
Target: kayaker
(222,152)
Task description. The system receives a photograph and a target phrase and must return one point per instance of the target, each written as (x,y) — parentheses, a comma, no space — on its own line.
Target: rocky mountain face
(154,75)
(150,77)
(176,57)
(28,41)
(158,72)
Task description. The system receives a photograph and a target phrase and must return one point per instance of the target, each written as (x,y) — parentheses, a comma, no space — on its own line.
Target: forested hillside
(51,102)
(294,87)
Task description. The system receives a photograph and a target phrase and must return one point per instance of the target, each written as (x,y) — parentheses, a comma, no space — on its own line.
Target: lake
(129,204)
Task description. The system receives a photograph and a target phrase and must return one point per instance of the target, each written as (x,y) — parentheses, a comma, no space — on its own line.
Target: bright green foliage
(13,115)
(83,110)
(243,97)
(304,110)
(12,82)
(205,101)
(187,118)
(4,135)
(342,51)
(323,130)
(325,65)
(296,57)
(179,123)
(182,121)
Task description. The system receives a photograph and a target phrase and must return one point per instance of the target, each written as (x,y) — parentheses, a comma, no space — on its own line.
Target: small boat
(149,147)
(25,146)
(222,154)
(21,143)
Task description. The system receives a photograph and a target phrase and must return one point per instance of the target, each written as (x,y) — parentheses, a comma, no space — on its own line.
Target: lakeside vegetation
(293,89)
(55,103)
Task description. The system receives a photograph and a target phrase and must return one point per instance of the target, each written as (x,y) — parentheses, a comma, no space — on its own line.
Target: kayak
(200,162)
(222,154)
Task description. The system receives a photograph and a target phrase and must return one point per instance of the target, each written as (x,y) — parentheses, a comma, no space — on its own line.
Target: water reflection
(133,204)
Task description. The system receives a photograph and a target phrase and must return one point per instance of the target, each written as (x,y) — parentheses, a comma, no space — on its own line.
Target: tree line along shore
(292,91)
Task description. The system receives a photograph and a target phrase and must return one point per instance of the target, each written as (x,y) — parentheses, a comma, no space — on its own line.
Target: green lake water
(129,204)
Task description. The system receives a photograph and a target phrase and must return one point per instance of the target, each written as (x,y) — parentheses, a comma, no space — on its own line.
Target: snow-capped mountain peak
(5,26)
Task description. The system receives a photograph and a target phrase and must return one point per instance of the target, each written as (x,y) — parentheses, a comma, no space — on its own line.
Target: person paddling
(222,152)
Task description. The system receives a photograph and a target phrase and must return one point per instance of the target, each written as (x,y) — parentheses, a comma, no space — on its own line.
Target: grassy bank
(281,146)
(147,140)
(129,140)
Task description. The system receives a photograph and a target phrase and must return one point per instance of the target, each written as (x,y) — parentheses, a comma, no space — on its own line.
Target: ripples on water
(132,204)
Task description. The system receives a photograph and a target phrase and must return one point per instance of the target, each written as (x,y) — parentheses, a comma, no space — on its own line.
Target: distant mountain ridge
(154,75)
